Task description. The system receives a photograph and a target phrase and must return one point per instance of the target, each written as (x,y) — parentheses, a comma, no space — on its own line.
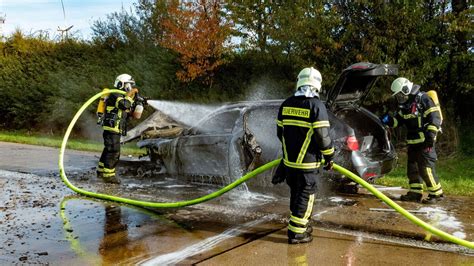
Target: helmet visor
(405,90)
(401,98)
(128,86)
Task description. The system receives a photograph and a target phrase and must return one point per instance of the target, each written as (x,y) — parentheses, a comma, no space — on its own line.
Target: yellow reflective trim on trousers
(415,141)
(108,174)
(416,185)
(309,210)
(298,220)
(297,230)
(436,193)
(430,177)
(301,165)
(328,151)
(323,123)
(435,187)
(101,164)
(419,191)
(432,109)
(108,170)
(298,112)
(279,123)
(285,154)
(432,128)
(297,123)
(305,145)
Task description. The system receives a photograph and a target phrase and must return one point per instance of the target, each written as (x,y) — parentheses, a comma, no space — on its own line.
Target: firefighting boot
(111,179)
(108,178)
(411,196)
(294,238)
(433,199)
(300,238)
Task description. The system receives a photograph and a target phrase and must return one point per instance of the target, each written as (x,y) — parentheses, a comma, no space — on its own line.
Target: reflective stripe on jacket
(117,107)
(421,117)
(303,128)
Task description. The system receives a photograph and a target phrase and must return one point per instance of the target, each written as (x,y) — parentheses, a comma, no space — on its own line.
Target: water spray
(234,184)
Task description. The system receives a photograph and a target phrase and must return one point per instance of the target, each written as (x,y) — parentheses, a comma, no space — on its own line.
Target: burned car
(236,138)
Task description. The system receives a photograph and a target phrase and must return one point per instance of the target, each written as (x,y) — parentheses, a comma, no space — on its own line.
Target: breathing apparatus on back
(403,90)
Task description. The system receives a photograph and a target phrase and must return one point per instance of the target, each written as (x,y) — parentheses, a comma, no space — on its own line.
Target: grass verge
(455,173)
(55,141)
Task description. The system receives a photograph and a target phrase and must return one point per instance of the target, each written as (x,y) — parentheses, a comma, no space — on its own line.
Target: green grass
(55,141)
(456,175)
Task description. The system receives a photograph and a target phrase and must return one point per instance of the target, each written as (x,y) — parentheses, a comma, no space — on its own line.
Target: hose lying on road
(239,181)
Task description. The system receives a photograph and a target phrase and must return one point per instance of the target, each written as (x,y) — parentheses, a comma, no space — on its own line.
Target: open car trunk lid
(356,82)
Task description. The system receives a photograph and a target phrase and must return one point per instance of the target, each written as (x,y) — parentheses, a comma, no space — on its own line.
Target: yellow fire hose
(239,181)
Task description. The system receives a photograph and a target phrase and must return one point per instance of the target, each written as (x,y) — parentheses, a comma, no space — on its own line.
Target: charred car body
(236,138)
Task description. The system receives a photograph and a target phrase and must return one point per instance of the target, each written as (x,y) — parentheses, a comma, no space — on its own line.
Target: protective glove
(132,93)
(385,119)
(328,165)
(279,175)
(328,162)
(428,144)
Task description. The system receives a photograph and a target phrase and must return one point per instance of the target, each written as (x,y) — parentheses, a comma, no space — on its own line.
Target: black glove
(328,162)
(328,165)
(280,174)
(428,144)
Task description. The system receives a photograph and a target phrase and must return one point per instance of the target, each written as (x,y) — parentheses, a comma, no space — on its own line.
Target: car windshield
(219,123)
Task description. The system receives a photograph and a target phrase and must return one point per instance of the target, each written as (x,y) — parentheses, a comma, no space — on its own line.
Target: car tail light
(369,175)
(352,143)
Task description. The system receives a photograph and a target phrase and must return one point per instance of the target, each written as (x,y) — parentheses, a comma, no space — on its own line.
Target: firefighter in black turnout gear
(114,111)
(303,129)
(422,117)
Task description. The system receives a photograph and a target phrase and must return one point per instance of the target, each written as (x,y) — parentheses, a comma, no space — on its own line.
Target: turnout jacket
(303,129)
(117,107)
(421,117)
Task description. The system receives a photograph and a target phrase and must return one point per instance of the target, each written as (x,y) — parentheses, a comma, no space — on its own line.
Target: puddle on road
(42,222)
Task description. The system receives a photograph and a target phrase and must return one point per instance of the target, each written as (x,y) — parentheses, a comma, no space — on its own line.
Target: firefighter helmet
(124,82)
(401,88)
(402,85)
(309,76)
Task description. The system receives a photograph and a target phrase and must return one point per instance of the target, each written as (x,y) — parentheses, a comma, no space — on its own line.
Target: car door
(204,151)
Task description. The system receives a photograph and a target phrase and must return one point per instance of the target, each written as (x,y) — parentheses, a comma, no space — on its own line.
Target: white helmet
(124,82)
(309,76)
(402,85)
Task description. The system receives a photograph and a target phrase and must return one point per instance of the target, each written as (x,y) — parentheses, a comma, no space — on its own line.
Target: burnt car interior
(238,137)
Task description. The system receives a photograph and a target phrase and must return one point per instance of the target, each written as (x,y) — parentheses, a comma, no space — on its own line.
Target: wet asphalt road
(43,222)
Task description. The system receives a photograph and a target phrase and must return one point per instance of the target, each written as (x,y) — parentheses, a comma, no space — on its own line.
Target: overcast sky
(33,15)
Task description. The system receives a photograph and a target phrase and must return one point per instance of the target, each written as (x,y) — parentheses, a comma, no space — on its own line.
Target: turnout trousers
(421,167)
(302,185)
(110,154)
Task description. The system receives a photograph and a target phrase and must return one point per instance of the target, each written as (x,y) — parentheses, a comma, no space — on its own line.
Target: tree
(198,32)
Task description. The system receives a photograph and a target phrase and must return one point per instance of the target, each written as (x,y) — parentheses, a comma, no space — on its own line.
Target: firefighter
(422,118)
(303,129)
(113,118)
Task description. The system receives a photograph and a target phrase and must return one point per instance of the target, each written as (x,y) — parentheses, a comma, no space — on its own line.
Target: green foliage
(455,175)
(44,81)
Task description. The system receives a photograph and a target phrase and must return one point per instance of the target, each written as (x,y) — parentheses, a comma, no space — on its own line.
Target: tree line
(215,51)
